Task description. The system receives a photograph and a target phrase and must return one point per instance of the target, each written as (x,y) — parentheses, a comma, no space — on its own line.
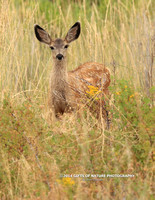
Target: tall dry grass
(124,37)
(33,152)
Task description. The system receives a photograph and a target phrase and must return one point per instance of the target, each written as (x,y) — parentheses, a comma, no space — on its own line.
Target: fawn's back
(88,74)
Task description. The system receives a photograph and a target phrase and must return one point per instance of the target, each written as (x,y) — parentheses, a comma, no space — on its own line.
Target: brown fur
(67,89)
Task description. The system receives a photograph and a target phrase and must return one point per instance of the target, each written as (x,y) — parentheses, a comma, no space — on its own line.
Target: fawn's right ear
(42,35)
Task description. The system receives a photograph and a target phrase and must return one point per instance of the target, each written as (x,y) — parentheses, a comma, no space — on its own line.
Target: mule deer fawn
(68,88)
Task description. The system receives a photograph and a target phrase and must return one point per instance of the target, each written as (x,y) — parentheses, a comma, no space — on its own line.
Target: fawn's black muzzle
(59,56)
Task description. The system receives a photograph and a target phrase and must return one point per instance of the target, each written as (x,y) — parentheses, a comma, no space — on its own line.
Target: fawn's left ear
(73,33)
(42,35)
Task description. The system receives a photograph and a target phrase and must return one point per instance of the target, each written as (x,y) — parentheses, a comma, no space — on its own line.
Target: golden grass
(123,40)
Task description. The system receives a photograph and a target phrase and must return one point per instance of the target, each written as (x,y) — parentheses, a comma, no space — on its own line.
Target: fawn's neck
(59,76)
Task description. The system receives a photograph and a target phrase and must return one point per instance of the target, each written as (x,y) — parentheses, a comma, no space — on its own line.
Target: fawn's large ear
(42,35)
(73,33)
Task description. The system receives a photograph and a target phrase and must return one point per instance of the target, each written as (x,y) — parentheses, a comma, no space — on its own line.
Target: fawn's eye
(66,46)
(52,47)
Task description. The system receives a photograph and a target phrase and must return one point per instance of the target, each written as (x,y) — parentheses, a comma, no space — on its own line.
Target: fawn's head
(58,46)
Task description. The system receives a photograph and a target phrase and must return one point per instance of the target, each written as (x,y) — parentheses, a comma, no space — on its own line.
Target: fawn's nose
(59,56)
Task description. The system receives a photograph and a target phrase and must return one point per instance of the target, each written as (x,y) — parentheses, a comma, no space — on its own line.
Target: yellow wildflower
(68,181)
(65,181)
(93,88)
(131,96)
(118,93)
(93,91)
